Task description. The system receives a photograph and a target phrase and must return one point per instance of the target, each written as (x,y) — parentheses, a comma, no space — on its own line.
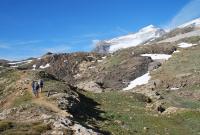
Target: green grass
(194,39)
(14,128)
(23,99)
(125,114)
(8,78)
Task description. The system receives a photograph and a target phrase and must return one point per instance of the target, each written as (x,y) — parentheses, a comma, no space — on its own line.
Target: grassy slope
(126,114)
(13,128)
(186,64)
(8,85)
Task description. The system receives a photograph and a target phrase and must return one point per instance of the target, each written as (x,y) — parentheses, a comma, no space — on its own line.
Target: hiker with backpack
(41,84)
(35,88)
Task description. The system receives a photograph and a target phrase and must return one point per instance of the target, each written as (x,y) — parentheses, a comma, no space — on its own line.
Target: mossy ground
(13,128)
(125,113)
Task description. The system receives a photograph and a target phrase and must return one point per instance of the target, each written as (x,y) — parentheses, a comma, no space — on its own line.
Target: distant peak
(148,28)
(195,22)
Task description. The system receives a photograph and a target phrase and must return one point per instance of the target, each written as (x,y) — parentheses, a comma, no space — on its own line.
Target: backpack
(37,86)
(41,83)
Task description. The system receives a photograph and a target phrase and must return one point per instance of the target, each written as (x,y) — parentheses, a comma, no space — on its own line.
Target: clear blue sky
(33,27)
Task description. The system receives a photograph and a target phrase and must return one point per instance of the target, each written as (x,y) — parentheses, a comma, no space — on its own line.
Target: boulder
(154,65)
(90,86)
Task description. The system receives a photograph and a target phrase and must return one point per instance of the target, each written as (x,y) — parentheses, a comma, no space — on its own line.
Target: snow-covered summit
(193,23)
(147,33)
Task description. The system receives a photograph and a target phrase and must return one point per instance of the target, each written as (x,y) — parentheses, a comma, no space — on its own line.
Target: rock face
(117,76)
(102,47)
(154,65)
(3,63)
(90,86)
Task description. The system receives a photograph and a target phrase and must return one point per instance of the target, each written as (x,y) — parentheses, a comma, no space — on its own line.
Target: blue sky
(30,28)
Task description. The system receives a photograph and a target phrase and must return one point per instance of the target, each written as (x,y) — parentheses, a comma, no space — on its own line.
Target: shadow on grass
(86,112)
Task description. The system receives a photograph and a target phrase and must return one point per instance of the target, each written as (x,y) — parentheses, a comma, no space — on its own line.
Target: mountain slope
(193,23)
(147,33)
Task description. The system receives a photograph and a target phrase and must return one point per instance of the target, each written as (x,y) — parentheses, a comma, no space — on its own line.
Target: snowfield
(158,56)
(46,66)
(144,79)
(147,33)
(185,45)
(195,23)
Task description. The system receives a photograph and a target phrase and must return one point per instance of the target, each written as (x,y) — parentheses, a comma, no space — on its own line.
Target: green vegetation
(125,113)
(14,128)
(194,39)
(181,64)
(22,99)
(8,78)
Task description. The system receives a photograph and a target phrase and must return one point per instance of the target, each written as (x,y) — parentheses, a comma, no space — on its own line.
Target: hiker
(37,86)
(33,87)
(41,84)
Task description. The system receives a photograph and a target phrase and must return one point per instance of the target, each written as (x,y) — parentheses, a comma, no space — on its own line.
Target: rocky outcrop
(4,63)
(90,86)
(102,47)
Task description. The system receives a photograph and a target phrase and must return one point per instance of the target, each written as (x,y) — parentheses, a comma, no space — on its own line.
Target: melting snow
(13,66)
(104,57)
(34,66)
(185,45)
(144,79)
(157,56)
(174,88)
(46,66)
(99,60)
(92,67)
(177,51)
(19,62)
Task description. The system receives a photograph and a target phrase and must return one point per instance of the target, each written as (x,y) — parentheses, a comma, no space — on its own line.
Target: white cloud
(188,12)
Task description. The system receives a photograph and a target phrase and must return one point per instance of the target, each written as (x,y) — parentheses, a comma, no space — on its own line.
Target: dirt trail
(41,100)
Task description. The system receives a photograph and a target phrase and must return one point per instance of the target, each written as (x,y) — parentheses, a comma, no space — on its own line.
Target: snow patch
(177,51)
(104,57)
(174,88)
(92,67)
(99,60)
(34,66)
(144,79)
(20,62)
(158,56)
(46,66)
(14,66)
(185,45)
